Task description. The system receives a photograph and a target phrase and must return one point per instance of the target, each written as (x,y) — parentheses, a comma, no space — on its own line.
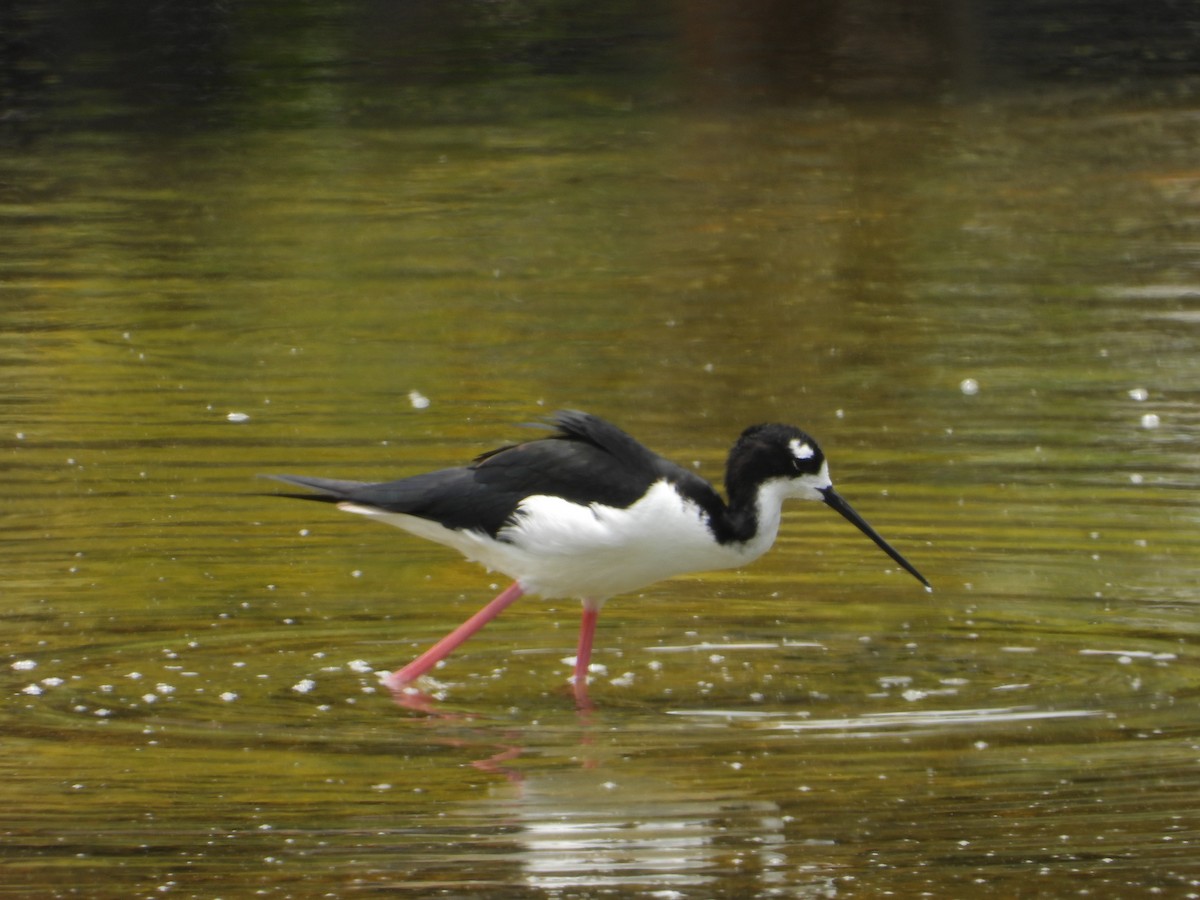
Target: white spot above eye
(801,449)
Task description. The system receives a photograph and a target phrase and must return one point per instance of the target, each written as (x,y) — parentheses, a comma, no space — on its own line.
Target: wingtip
(287,479)
(327,490)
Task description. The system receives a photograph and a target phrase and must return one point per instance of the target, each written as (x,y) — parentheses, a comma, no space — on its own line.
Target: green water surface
(985,308)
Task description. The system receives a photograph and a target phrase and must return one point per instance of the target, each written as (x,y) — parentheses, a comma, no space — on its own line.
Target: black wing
(585,460)
(450,497)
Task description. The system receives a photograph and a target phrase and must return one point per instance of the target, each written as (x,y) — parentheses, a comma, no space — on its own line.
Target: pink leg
(583,656)
(443,648)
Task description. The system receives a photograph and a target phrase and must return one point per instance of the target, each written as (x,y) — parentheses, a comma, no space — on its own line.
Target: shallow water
(986,311)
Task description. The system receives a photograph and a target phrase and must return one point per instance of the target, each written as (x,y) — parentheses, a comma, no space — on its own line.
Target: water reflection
(913,722)
(700,774)
(580,831)
(617,811)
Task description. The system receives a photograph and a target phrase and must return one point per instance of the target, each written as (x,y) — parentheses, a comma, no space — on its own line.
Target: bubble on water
(1139,394)
(1150,421)
(418,400)
(969,387)
(238,417)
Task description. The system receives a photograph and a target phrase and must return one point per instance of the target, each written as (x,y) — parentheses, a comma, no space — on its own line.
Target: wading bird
(588,512)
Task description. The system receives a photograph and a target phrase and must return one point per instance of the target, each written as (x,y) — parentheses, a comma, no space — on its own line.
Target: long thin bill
(834,501)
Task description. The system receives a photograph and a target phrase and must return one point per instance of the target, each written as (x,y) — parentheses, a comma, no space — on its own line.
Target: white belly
(560,549)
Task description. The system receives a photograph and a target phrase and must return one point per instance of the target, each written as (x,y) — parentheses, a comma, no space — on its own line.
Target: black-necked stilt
(588,512)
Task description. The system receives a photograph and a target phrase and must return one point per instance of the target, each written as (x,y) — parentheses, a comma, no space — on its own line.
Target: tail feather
(331,490)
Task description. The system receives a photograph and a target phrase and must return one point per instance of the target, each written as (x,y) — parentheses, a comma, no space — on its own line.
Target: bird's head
(786,458)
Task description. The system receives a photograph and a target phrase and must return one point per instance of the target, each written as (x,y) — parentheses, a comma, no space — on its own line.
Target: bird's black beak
(834,501)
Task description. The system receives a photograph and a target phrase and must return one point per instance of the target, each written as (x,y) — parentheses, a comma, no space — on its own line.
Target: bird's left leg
(400,679)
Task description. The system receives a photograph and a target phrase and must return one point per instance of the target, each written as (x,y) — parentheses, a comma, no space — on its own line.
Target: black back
(585,460)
